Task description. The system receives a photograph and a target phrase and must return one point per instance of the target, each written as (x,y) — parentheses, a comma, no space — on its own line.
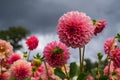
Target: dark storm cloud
(41,16)
(36,15)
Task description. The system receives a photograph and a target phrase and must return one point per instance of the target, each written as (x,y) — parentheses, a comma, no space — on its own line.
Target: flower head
(115,57)
(4,76)
(99,26)
(6,49)
(56,54)
(109,45)
(32,42)
(75,29)
(90,77)
(117,71)
(44,76)
(21,70)
(111,67)
(14,58)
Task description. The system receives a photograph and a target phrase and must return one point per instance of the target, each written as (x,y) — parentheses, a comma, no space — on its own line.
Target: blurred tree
(14,35)
(90,65)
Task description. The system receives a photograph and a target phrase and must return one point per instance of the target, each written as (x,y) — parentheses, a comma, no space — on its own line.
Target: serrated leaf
(59,73)
(73,69)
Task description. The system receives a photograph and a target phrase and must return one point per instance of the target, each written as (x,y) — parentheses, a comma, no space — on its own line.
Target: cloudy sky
(41,17)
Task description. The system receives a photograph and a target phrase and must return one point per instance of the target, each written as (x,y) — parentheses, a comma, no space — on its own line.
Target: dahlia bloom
(4,76)
(115,57)
(32,42)
(56,54)
(6,49)
(75,29)
(99,26)
(112,68)
(109,45)
(20,70)
(41,69)
(14,58)
(117,72)
(52,76)
(89,77)
(35,72)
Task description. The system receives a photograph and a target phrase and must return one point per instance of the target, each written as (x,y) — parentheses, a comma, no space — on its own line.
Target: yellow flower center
(2,49)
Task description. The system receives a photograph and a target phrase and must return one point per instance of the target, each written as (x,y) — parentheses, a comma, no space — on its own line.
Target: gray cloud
(36,15)
(41,16)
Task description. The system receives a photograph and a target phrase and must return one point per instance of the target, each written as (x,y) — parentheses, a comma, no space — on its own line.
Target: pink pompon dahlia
(109,45)
(56,54)
(99,26)
(32,42)
(115,57)
(21,70)
(75,29)
(14,58)
(6,49)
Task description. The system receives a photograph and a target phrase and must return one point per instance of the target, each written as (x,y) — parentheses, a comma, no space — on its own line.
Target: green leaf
(104,77)
(94,22)
(57,50)
(12,78)
(38,56)
(28,78)
(82,76)
(40,78)
(59,73)
(118,36)
(73,69)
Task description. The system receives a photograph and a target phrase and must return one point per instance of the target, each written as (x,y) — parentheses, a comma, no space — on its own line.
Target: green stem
(80,60)
(46,69)
(28,56)
(109,67)
(81,54)
(66,72)
(1,65)
(83,59)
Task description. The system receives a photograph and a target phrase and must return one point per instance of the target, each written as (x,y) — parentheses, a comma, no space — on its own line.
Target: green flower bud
(37,62)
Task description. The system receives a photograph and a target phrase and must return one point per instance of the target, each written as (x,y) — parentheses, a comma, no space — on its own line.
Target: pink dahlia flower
(41,69)
(109,45)
(6,49)
(118,72)
(112,68)
(14,58)
(21,70)
(50,72)
(99,26)
(32,42)
(56,54)
(75,29)
(5,76)
(90,77)
(115,57)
